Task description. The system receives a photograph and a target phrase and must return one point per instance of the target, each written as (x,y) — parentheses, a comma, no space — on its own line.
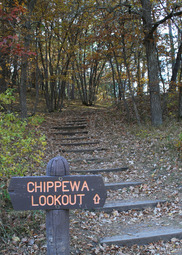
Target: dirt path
(149,158)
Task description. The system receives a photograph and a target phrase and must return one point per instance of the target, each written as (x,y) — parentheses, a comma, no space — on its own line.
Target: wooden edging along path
(77,120)
(143,237)
(121,185)
(71,133)
(89,159)
(129,205)
(101,170)
(69,127)
(73,138)
(83,150)
(79,144)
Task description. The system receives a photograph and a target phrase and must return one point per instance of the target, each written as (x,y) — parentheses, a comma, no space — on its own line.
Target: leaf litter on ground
(150,156)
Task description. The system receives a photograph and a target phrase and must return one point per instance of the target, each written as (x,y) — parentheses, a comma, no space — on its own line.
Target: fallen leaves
(149,159)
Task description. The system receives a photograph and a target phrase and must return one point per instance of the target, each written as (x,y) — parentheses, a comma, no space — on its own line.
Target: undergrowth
(22,147)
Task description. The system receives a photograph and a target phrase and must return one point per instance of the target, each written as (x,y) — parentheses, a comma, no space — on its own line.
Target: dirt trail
(151,158)
(148,160)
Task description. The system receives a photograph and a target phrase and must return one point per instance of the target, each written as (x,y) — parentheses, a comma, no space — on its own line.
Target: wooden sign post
(57,221)
(57,192)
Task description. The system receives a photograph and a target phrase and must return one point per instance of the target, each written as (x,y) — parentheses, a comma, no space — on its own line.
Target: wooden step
(127,205)
(89,159)
(71,133)
(121,185)
(144,237)
(69,127)
(101,170)
(75,121)
(72,138)
(78,144)
(83,150)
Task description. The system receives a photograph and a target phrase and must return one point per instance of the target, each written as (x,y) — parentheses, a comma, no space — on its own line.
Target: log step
(78,144)
(73,138)
(72,133)
(144,237)
(121,185)
(84,150)
(101,170)
(89,159)
(126,206)
(75,121)
(70,127)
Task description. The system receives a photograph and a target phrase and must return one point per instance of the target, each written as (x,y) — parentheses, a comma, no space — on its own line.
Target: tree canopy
(79,49)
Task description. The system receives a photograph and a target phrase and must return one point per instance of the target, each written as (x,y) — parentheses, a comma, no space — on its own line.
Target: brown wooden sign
(53,192)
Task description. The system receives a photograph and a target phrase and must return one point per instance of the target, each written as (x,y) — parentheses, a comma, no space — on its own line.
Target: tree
(10,45)
(152,62)
(89,61)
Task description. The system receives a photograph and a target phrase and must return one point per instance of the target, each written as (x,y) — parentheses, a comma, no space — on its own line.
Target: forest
(92,50)
(115,65)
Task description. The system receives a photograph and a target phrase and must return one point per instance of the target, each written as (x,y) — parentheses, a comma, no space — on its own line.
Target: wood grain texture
(57,221)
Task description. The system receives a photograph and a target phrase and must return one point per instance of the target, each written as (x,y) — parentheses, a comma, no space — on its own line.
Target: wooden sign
(57,193)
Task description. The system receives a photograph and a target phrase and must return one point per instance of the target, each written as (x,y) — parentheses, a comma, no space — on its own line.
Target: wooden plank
(121,185)
(145,237)
(72,138)
(89,159)
(84,150)
(101,170)
(69,127)
(77,120)
(78,144)
(78,124)
(71,133)
(125,206)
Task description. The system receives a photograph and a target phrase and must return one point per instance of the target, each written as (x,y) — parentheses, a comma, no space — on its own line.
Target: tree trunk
(180,103)
(129,81)
(152,62)
(37,75)
(113,79)
(3,73)
(24,66)
(23,89)
(15,72)
(139,81)
(176,67)
(122,88)
(180,95)
(72,94)
(171,44)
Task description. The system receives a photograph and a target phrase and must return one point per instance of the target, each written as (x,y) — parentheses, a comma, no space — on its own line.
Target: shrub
(21,145)
(179,145)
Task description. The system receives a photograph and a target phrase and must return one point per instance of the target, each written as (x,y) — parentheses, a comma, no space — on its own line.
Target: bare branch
(169,16)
